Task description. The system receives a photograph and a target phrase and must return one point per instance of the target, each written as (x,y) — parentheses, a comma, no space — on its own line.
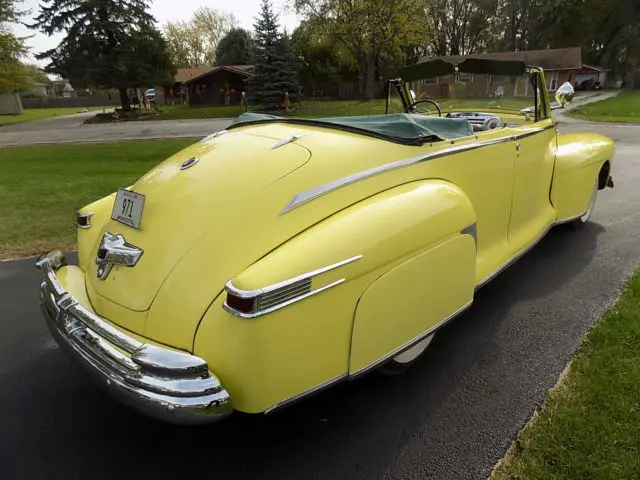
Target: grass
(331,108)
(624,107)
(589,427)
(41,113)
(41,187)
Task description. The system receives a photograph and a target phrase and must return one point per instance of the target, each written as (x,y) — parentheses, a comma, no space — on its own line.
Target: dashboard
(480,122)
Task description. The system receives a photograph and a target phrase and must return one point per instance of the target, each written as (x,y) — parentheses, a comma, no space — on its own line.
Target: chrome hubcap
(592,203)
(414,352)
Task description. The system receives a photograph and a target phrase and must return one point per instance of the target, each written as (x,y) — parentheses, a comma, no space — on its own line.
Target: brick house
(560,65)
(177,93)
(211,87)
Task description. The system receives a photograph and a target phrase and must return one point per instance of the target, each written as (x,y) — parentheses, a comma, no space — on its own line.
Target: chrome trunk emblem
(114,250)
(189,163)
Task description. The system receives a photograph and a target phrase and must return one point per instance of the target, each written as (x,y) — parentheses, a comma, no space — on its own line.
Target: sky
(163,11)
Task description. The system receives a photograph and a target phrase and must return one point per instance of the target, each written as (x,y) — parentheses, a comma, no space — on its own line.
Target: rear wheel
(404,360)
(581,221)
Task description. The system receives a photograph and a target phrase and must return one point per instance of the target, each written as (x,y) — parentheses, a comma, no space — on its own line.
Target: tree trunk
(124,99)
(370,74)
(362,79)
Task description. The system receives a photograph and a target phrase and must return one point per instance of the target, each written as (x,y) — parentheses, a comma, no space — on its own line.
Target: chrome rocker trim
(522,252)
(171,386)
(569,219)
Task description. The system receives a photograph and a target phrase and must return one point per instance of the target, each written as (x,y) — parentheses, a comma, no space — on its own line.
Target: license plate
(128,207)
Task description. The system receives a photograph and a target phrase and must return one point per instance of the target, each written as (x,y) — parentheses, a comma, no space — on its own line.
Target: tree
(235,48)
(273,72)
(15,76)
(460,27)
(287,72)
(371,30)
(108,44)
(320,58)
(193,43)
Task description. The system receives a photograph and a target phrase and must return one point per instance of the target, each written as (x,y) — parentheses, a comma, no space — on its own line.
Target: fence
(79,102)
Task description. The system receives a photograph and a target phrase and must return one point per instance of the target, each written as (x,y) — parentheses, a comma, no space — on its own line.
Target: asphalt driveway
(452,416)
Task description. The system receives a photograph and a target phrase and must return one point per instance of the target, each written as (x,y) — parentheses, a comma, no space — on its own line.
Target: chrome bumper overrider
(172,386)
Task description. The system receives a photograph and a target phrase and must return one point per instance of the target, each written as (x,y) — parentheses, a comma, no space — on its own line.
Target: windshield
(474,92)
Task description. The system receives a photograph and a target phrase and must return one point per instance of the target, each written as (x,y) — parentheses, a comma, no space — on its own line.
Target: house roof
(593,67)
(242,70)
(551,59)
(184,74)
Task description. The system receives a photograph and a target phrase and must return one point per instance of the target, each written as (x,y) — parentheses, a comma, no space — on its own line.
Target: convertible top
(408,129)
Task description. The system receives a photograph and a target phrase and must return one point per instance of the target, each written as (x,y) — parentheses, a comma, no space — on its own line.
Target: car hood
(181,204)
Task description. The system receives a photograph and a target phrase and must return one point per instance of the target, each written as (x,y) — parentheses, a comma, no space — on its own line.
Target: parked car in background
(280,256)
(150,93)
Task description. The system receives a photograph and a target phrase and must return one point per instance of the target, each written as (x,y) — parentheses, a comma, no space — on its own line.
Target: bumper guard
(172,386)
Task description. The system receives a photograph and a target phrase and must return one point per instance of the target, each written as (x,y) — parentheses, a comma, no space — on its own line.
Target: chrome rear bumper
(172,386)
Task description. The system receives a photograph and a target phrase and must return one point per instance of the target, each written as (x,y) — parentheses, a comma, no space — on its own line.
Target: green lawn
(624,107)
(334,108)
(41,187)
(40,113)
(589,427)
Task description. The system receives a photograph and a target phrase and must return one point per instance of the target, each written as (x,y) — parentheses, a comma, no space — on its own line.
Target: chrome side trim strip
(306,393)
(259,313)
(410,343)
(285,284)
(513,259)
(254,293)
(313,193)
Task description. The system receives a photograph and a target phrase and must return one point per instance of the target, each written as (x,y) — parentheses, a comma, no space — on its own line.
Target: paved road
(452,416)
(71,129)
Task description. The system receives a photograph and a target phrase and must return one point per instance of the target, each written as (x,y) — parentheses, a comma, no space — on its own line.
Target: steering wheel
(413,108)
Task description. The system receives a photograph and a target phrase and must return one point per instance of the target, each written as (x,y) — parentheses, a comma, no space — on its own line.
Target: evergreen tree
(273,72)
(287,71)
(108,44)
(235,48)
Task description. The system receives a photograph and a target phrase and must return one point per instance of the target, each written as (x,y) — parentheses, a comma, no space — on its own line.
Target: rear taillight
(253,303)
(243,305)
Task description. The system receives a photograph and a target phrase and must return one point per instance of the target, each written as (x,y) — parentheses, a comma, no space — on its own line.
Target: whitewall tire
(580,221)
(404,360)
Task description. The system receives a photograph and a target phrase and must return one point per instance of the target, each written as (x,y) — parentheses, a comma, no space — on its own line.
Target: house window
(465,77)
(499,79)
(430,81)
(552,81)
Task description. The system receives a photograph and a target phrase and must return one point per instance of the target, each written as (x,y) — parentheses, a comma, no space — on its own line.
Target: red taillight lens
(244,305)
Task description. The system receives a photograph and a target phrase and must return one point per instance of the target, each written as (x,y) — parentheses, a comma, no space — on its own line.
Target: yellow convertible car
(282,255)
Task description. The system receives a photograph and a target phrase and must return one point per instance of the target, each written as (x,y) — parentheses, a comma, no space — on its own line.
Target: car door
(535,144)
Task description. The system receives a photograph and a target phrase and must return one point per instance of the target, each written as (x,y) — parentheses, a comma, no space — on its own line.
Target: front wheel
(404,360)
(581,221)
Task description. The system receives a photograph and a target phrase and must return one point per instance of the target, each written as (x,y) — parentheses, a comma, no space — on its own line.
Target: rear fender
(582,159)
(267,360)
